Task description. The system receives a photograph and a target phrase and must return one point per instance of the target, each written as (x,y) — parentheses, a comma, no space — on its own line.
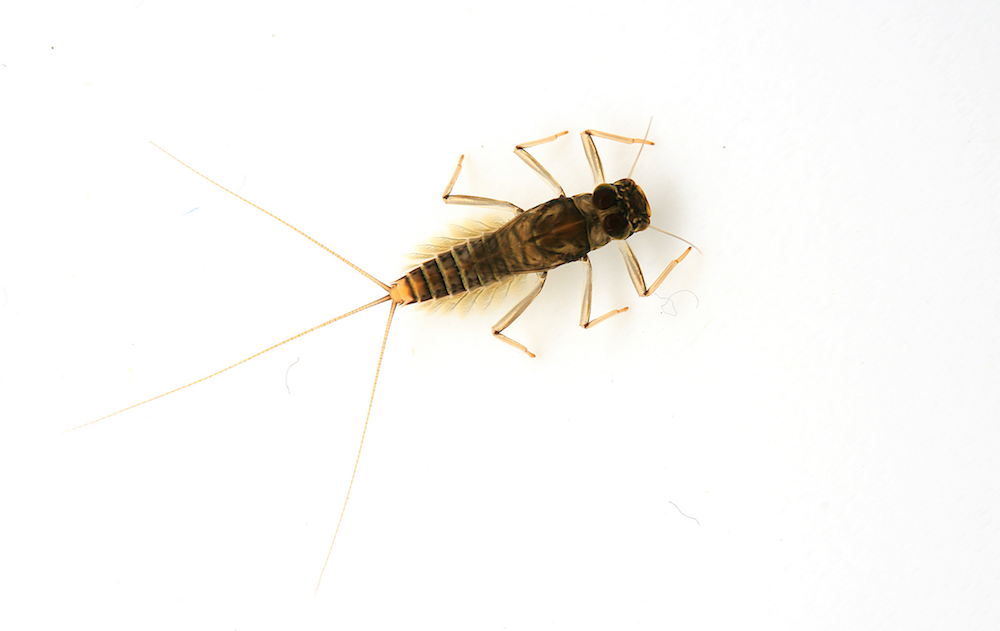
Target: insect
(534,241)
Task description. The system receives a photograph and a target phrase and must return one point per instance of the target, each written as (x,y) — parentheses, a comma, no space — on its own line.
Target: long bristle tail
(273,216)
(364,430)
(243,361)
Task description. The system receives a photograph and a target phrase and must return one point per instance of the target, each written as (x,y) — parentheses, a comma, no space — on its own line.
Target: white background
(804,437)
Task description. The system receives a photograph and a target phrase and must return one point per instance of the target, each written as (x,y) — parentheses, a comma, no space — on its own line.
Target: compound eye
(605,196)
(615,226)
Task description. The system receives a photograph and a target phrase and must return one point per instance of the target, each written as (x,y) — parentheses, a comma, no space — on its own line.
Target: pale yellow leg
(588,288)
(635,272)
(515,313)
(472,200)
(590,149)
(536,166)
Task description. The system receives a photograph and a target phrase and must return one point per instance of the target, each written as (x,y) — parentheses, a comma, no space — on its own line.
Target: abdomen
(536,240)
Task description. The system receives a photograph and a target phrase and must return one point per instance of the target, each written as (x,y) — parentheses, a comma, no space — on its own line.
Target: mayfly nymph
(534,241)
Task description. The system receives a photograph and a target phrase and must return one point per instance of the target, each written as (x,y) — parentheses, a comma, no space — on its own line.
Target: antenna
(641,145)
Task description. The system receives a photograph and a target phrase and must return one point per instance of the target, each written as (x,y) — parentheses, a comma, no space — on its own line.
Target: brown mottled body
(559,231)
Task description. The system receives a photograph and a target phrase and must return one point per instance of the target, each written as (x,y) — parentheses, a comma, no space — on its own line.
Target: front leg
(635,272)
(593,159)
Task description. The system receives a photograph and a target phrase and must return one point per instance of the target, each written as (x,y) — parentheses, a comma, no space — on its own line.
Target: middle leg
(588,289)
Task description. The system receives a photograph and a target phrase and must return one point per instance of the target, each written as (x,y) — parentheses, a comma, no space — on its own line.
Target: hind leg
(472,200)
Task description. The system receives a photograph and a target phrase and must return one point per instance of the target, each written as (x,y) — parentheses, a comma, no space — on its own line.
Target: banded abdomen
(536,240)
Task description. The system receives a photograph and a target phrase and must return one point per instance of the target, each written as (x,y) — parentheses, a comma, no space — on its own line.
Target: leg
(588,286)
(470,200)
(515,313)
(590,149)
(635,272)
(536,166)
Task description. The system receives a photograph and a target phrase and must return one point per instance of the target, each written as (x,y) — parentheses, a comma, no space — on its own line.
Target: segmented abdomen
(465,267)
(536,240)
